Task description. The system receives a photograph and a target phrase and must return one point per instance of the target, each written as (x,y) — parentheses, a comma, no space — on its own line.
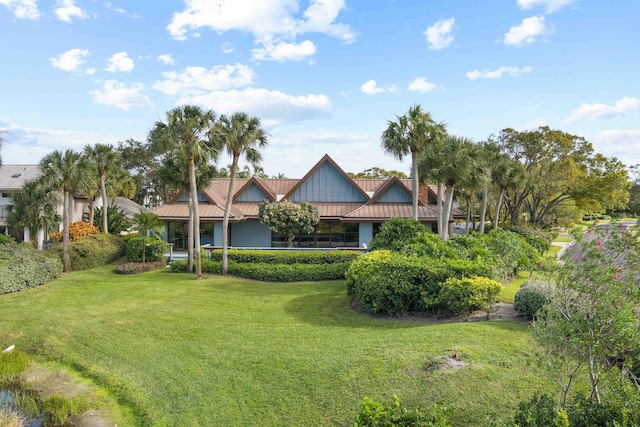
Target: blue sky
(324,76)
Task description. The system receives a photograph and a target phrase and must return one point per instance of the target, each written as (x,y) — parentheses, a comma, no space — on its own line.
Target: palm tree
(33,208)
(477,178)
(146,221)
(411,134)
(65,172)
(491,158)
(507,174)
(105,160)
(237,134)
(188,134)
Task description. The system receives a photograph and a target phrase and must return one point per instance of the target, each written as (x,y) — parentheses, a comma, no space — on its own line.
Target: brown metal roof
(384,211)
(180,211)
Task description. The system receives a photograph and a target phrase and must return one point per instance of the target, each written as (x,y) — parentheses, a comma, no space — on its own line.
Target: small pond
(8,400)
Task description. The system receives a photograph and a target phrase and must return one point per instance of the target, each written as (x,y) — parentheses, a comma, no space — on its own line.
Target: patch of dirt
(501,311)
(449,362)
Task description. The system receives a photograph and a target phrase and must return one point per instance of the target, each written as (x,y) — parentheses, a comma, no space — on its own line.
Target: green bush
(428,245)
(537,237)
(6,239)
(138,267)
(272,272)
(22,267)
(155,250)
(530,298)
(286,257)
(376,414)
(396,232)
(92,251)
(540,411)
(117,220)
(391,283)
(466,295)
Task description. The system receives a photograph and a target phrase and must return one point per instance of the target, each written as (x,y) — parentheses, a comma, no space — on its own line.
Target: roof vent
(16,175)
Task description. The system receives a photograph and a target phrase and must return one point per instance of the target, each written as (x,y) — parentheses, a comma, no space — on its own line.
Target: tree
(475,180)
(237,134)
(105,160)
(146,221)
(507,174)
(188,134)
(2,141)
(288,218)
(377,173)
(65,172)
(411,134)
(33,208)
(592,318)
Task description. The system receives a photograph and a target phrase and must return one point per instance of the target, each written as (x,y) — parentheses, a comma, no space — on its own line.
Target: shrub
(117,220)
(272,272)
(396,232)
(537,237)
(395,284)
(376,414)
(530,298)
(22,267)
(155,250)
(77,231)
(428,245)
(138,267)
(92,251)
(540,411)
(6,239)
(466,295)
(286,257)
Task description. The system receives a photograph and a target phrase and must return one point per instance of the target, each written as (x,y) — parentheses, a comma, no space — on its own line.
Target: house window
(328,234)
(6,195)
(179,234)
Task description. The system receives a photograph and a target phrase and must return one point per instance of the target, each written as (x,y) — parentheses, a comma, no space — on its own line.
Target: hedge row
(90,252)
(22,267)
(391,283)
(286,257)
(272,272)
(154,252)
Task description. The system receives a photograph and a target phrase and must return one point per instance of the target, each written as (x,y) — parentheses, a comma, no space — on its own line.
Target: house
(351,210)
(13,177)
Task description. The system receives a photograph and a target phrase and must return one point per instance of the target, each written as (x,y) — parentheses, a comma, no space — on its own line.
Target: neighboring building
(351,210)
(13,177)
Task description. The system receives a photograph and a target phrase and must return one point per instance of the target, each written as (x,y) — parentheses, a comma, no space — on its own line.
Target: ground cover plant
(227,351)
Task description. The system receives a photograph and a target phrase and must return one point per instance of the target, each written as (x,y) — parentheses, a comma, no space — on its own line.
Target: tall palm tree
(66,172)
(188,134)
(411,134)
(33,208)
(105,160)
(491,158)
(237,134)
(146,221)
(507,174)
(477,178)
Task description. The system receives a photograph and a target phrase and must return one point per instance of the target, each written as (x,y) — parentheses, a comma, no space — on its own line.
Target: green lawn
(228,351)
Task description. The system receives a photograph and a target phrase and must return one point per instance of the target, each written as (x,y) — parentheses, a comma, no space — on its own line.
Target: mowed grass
(228,351)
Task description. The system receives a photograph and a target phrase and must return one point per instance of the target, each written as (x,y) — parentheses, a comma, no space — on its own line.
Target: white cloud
(420,84)
(90,71)
(527,31)
(117,94)
(284,51)
(166,59)
(70,60)
(550,6)
(621,143)
(371,88)
(197,80)
(271,22)
(497,73)
(623,107)
(273,107)
(227,48)
(439,34)
(66,9)
(120,62)
(25,9)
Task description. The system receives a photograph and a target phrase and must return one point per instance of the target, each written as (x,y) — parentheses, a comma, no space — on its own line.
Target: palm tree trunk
(414,184)
(65,232)
(468,219)
(225,219)
(190,231)
(144,246)
(196,217)
(439,208)
(103,192)
(498,206)
(448,208)
(485,200)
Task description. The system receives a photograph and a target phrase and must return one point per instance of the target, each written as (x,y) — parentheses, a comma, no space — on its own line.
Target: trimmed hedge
(90,252)
(286,257)
(22,267)
(396,232)
(531,298)
(155,250)
(272,272)
(390,283)
(138,267)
